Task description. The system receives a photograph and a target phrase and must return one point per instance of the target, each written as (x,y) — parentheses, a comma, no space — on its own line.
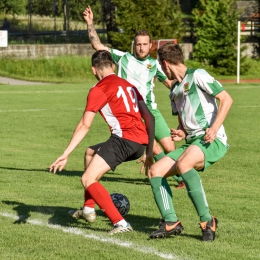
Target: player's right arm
(79,133)
(92,33)
(149,123)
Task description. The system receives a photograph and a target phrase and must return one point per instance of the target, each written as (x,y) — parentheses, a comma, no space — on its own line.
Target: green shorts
(212,152)
(161,128)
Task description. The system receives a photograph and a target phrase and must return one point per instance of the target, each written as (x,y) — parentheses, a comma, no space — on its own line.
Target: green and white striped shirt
(194,101)
(140,73)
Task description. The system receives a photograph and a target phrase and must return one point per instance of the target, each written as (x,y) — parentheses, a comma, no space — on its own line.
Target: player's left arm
(179,133)
(79,133)
(225,102)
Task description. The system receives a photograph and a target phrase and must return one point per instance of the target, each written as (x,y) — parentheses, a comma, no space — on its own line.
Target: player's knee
(182,166)
(154,171)
(167,144)
(157,148)
(86,180)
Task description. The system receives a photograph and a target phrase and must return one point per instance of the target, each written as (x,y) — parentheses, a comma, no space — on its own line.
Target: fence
(31,36)
(250,28)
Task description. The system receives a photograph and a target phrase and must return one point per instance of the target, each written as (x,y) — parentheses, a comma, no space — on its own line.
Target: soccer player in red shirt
(123,108)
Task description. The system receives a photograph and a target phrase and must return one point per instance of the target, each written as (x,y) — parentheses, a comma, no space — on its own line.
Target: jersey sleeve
(96,100)
(207,83)
(116,54)
(159,72)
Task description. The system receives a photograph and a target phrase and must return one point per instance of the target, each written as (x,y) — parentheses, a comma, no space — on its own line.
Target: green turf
(36,125)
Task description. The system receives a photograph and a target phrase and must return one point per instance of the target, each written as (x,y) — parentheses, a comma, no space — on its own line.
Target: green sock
(163,198)
(197,194)
(158,156)
(177,177)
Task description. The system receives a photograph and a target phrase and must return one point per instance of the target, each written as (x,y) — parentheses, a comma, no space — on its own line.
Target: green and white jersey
(140,73)
(194,101)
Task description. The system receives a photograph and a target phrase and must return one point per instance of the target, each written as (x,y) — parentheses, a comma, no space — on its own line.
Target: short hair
(143,33)
(102,59)
(171,52)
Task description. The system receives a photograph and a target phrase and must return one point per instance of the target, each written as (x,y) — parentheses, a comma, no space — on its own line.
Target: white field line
(99,238)
(38,109)
(247,106)
(78,109)
(241,87)
(159,88)
(43,91)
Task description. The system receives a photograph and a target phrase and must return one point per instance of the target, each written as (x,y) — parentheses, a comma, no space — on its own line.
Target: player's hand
(142,160)
(59,164)
(210,135)
(177,135)
(148,163)
(88,15)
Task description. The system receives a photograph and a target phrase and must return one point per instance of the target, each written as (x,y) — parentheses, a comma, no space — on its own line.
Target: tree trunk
(108,10)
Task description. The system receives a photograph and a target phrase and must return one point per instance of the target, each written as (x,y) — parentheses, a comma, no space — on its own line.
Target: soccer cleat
(181,185)
(79,214)
(120,229)
(208,229)
(167,228)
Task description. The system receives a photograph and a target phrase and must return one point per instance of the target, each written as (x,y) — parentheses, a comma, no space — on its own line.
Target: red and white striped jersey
(117,102)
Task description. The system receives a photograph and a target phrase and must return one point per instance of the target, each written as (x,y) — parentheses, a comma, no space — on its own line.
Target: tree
(13,6)
(216,32)
(108,10)
(162,18)
(76,8)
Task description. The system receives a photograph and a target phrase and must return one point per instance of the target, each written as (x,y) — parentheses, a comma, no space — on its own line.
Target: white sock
(88,210)
(122,223)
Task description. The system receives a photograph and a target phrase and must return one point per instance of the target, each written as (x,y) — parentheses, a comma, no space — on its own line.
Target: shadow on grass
(24,169)
(111,177)
(59,216)
(108,177)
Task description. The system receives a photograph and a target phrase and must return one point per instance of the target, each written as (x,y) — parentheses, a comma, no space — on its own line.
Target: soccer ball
(121,202)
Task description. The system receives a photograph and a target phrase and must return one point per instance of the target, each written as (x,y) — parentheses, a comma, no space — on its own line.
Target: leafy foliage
(13,6)
(161,18)
(216,32)
(51,7)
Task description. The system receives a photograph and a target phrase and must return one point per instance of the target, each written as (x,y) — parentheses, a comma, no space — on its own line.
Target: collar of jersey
(109,75)
(148,56)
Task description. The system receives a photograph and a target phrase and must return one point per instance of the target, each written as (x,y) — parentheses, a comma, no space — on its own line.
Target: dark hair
(102,59)
(143,33)
(171,52)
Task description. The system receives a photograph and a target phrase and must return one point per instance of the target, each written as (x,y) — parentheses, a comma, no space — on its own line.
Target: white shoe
(79,214)
(120,229)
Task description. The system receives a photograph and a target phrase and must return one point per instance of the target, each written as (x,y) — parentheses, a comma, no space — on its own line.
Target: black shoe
(209,229)
(167,228)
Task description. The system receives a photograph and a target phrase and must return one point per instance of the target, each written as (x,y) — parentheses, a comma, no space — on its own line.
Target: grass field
(36,125)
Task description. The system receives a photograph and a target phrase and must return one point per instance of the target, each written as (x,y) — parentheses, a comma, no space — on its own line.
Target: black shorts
(117,150)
